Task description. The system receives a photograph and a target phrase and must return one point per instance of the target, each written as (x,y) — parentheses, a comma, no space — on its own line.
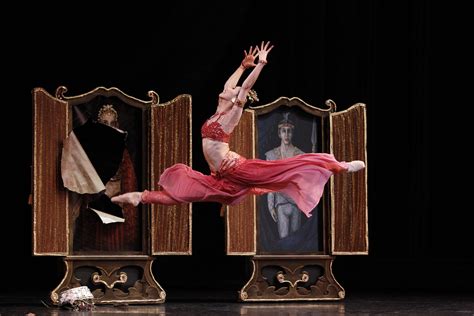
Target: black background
(390,55)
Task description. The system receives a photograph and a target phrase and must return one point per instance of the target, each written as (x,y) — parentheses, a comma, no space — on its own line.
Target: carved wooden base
(291,278)
(112,279)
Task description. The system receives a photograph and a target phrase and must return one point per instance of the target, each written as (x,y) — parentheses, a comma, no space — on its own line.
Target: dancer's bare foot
(128,198)
(355,165)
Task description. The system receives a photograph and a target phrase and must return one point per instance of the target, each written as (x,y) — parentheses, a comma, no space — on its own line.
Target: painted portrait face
(109,119)
(286,134)
(108,116)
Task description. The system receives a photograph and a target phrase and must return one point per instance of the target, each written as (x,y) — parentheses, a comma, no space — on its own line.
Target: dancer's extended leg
(153,197)
(158,197)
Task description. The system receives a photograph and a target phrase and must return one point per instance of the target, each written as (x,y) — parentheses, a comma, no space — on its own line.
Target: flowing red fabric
(301,177)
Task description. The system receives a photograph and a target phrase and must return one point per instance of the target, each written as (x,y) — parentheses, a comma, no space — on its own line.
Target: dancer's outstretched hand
(263,51)
(249,58)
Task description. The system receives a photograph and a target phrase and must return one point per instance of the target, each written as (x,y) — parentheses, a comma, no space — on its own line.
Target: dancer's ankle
(137,198)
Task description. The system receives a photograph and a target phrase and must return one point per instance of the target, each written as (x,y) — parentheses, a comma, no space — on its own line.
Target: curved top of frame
(350,108)
(176,100)
(295,101)
(108,92)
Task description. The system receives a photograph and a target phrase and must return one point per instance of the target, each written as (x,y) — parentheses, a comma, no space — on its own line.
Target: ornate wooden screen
(162,137)
(50,200)
(170,144)
(241,218)
(349,226)
(344,206)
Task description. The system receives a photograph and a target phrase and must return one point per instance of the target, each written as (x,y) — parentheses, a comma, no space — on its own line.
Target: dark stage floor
(222,303)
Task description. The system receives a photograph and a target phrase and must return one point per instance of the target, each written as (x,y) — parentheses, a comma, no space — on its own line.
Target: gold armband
(239,103)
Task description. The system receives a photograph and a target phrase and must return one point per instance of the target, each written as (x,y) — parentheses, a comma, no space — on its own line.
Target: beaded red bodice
(213,130)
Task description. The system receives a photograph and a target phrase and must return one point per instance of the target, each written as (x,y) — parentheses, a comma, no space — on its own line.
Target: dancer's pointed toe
(133,198)
(355,165)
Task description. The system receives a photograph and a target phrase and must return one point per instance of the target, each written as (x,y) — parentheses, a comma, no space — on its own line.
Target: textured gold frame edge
(366,187)
(254,200)
(35,176)
(152,185)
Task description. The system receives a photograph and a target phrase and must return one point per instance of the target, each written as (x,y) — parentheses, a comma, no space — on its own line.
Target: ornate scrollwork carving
(281,278)
(331,104)
(60,91)
(162,295)
(107,278)
(292,279)
(54,297)
(243,295)
(155,99)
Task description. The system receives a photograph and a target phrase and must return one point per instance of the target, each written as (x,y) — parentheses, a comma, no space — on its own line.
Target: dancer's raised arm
(247,62)
(263,51)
